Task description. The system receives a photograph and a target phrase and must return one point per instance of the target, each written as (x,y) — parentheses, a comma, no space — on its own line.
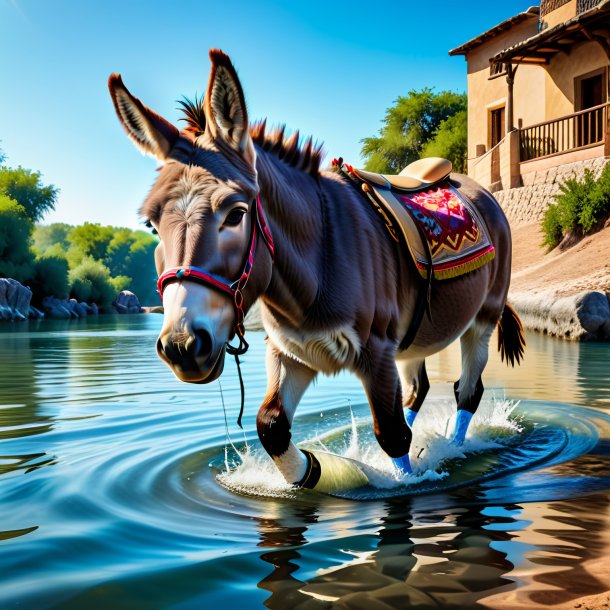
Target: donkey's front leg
(287,381)
(382,387)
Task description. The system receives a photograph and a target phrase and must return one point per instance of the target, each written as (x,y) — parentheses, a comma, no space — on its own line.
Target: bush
(581,207)
(91,281)
(16,258)
(50,277)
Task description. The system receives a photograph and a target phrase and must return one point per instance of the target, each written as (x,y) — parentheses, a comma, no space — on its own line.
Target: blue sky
(329,69)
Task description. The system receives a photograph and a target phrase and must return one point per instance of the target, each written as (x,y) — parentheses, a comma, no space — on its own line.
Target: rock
(582,317)
(56,308)
(127,302)
(78,308)
(35,314)
(94,309)
(88,309)
(14,300)
(5,311)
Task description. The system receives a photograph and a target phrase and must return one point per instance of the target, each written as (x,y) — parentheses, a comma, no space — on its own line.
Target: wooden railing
(578,130)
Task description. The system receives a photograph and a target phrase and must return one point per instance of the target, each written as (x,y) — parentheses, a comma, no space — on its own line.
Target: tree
(51,236)
(132,254)
(16,258)
(92,239)
(450,141)
(26,188)
(408,126)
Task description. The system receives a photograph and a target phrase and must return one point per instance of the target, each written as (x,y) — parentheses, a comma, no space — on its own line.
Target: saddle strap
(424,293)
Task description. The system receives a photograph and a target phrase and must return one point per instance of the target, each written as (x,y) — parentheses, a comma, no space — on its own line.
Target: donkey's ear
(225,106)
(151,133)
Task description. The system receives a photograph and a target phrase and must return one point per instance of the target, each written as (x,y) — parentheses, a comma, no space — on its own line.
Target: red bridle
(233,289)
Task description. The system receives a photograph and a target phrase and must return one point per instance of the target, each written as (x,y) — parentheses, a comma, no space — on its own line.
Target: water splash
(433,456)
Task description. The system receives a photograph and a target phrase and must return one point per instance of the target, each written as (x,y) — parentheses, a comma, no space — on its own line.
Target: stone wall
(529,202)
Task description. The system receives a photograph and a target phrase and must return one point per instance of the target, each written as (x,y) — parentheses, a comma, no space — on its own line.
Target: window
(496,126)
(497,69)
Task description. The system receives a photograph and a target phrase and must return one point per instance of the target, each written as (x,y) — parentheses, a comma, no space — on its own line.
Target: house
(538,92)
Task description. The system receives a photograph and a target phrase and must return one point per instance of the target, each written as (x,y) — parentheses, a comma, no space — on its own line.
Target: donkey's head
(204,207)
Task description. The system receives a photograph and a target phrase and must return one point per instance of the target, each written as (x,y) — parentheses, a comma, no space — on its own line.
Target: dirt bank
(563,293)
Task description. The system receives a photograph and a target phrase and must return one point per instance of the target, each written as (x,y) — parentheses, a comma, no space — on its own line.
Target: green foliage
(91,282)
(127,255)
(450,141)
(51,236)
(26,188)
(50,277)
(92,239)
(413,121)
(581,206)
(120,282)
(16,258)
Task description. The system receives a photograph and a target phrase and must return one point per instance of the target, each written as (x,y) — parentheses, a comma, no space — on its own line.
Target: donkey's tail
(511,342)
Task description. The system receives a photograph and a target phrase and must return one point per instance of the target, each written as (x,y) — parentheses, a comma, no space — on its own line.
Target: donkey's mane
(305,156)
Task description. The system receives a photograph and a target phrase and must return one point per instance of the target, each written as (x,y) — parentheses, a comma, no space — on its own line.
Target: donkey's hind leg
(415,386)
(287,381)
(469,389)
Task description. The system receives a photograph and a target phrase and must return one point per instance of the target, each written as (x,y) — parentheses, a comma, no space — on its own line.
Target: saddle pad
(456,235)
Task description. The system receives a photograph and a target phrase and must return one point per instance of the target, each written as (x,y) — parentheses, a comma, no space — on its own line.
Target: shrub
(551,227)
(91,281)
(50,277)
(16,258)
(581,206)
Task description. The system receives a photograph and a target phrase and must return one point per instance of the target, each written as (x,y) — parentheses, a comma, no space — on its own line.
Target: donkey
(244,213)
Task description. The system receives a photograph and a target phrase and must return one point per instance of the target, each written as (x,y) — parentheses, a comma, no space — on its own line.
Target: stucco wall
(484,94)
(560,75)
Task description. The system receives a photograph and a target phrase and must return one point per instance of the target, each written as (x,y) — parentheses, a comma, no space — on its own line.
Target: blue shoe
(461,426)
(410,417)
(403,464)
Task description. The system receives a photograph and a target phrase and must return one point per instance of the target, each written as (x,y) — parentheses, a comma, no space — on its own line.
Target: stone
(35,314)
(78,308)
(14,300)
(582,317)
(55,308)
(127,302)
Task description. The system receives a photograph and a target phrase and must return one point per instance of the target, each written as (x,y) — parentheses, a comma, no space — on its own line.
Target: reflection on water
(107,497)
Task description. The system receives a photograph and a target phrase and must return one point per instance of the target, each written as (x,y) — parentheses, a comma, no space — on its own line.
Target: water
(114,490)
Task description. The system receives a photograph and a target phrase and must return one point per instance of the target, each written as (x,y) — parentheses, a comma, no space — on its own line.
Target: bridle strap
(233,289)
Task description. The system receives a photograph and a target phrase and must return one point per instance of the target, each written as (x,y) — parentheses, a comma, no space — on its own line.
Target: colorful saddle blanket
(441,227)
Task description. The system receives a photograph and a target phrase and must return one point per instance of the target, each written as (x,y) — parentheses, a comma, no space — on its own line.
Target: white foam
(254,473)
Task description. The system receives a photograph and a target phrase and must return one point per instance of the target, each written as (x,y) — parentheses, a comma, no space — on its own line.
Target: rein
(233,289)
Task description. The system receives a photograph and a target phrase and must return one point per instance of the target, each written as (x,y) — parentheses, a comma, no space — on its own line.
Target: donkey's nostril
(205,343)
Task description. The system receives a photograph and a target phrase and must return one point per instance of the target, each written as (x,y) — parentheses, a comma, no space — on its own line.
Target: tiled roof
(531,12)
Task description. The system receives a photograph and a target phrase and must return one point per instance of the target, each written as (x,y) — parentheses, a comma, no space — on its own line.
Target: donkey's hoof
(403,465)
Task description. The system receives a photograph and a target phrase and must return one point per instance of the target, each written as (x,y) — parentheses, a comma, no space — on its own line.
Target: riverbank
(563,292)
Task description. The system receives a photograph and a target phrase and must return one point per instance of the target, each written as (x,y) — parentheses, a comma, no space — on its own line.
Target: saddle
(441,228)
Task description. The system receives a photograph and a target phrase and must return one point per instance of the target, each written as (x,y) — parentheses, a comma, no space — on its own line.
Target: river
(119,488)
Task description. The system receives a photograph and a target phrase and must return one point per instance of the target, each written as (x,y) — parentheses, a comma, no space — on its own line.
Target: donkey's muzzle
(192,357)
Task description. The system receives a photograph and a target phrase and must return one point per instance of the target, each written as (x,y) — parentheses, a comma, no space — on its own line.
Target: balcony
(522,152)
(578,131)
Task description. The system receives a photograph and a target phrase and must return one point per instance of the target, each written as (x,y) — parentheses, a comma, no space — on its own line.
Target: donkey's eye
(234,217)
(150,226)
